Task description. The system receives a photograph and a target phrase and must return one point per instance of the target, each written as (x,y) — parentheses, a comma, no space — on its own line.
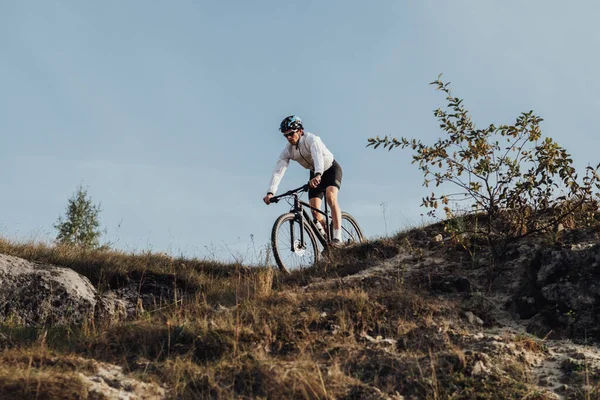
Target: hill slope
(410,317)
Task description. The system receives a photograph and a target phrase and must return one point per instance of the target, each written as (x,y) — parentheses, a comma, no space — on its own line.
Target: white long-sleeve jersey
(310,152)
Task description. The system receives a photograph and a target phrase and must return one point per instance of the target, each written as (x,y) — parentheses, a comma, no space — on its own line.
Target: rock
(110,308)
(378,339)
(35,294)
(538,326)
(563,388)
(451,284)
(438,238)
(560,292)
(546,381)
(479,369)
(578,355)
(110,382)
(473,319)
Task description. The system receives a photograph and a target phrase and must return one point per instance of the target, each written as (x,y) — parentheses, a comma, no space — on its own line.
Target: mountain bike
(295,237)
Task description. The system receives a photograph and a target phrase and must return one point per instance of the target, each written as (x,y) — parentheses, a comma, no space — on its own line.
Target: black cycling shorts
(331,177)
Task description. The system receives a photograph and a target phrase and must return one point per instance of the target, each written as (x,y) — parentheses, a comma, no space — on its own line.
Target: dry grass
(111,268)
(34,372)
(36,384)
(246,333)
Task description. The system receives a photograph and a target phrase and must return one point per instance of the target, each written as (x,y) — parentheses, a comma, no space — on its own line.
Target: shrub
(509,173)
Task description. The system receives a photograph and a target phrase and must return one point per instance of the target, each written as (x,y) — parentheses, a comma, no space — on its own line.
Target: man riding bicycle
(325,173)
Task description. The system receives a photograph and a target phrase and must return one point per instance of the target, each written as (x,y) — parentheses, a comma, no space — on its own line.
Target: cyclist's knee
(331,197)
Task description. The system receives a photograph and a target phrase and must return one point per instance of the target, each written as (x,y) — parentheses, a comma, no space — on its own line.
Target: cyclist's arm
(279,171)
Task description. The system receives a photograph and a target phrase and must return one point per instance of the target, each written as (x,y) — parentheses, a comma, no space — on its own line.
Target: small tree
(507,172)
(80,226)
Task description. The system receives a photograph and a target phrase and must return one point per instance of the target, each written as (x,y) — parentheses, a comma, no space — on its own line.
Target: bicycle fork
(298,217)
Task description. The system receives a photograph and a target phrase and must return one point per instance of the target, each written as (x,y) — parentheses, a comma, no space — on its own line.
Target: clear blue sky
(168,111)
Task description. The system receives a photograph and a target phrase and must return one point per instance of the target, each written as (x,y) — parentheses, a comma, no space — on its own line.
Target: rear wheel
(351,232)
(289,250)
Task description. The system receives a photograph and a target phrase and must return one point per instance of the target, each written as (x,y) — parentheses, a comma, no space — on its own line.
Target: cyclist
(325,173)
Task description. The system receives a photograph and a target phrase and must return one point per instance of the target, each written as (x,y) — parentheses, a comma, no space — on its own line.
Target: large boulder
(34,294)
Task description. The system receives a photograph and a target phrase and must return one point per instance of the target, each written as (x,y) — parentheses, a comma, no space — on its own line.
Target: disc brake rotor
(298,248)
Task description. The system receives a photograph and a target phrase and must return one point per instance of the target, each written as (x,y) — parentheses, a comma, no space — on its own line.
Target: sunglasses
(289,134)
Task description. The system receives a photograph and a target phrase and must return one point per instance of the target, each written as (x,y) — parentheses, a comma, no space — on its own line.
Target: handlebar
(302,188)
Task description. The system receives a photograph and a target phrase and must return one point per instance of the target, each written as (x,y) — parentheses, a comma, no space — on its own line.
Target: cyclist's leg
(331,196)
(331,182)
(315,199)
(332,179)
(316,203)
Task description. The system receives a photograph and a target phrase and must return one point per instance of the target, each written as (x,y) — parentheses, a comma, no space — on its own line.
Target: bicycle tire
(289,259)
(351,232)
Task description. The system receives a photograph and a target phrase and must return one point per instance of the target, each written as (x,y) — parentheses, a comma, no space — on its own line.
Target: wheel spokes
(292,252)
(349,232)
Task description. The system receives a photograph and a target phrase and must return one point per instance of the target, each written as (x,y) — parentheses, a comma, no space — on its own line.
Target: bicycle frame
(313,225)
(301,215)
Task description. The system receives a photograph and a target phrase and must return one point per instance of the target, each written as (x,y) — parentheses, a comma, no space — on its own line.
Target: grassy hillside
(341,330)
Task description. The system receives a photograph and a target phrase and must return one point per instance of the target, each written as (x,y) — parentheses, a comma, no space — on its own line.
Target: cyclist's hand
(267,198)
(314,182)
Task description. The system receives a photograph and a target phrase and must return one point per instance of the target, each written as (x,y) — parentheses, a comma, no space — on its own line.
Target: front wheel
(289,250)
(351,232)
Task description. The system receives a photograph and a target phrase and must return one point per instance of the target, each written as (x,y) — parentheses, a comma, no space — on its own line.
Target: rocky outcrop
(109,382)
(146,293)
(560,293)
(34,294)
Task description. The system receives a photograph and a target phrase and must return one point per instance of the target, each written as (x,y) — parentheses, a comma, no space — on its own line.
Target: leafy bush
(509,173)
